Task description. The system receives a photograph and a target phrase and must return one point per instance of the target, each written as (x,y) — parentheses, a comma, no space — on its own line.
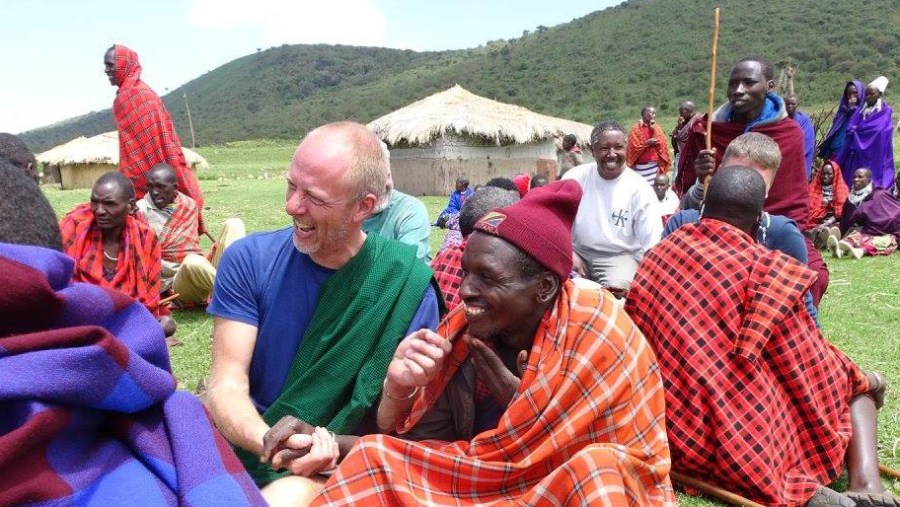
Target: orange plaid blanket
(585,426)
(138,266)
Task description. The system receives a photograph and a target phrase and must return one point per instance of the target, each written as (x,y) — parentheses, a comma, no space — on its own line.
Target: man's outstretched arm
(228,396)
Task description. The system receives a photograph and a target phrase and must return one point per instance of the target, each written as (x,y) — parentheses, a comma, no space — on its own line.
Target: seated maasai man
(113,430)
(447,265)
(776,232)
(308,317)
(113,248)
(878,222)
(648,150)
(757,401)
(827,196)
(574,407)
(402,217)
(175,219)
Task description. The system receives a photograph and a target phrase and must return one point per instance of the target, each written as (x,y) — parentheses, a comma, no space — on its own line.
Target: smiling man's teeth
(470,310)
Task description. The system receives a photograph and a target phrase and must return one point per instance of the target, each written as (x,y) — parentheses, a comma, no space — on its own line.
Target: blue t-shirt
(776,232)
(264,281)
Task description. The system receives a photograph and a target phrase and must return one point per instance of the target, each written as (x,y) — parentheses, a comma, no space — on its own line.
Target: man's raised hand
(418,358)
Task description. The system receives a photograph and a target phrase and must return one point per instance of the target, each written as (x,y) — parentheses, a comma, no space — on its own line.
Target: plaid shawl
(146,133)
(637,143)
(448,271)
(757,401)
(90,411)
(138,267)
(585,426)
(178,236)
(817,209)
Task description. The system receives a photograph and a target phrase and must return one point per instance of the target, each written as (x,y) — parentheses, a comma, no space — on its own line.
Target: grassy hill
(606,64)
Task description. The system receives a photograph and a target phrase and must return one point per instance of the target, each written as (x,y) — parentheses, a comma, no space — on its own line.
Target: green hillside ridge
(606,64)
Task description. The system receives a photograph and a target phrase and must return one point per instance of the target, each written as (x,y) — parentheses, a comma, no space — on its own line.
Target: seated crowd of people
(573,342)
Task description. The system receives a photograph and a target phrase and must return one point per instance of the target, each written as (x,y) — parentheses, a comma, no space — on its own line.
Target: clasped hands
(299,447)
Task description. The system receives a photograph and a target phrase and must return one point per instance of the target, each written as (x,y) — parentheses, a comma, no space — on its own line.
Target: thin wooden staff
(169,299)
(890,472)
(712,491)
(712,89)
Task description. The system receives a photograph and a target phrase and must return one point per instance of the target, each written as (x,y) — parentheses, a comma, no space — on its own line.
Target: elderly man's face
(499,301)
(110,206)
(861,179)
(649,115)
(318,199)
(747,88)
(162,190)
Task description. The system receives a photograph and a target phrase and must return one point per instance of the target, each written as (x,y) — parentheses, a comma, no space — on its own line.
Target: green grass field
(860,313)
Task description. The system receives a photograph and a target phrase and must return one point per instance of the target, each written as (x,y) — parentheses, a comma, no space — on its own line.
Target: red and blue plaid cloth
(90,415)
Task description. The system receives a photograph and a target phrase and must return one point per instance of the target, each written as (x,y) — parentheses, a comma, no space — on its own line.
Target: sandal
(873,499)
(826,497)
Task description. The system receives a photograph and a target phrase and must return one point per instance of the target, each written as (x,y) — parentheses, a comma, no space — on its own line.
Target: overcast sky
(53,49)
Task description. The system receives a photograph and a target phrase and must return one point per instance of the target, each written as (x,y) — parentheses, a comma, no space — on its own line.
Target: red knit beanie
(540,224)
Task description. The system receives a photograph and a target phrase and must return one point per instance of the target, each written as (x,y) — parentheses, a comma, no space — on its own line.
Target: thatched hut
(81,161)
(455,132)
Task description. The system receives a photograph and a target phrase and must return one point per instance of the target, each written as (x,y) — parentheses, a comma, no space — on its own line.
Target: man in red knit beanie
(544,386)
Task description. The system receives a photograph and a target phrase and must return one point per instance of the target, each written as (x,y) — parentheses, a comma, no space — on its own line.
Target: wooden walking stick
(890,472)
(169,299)
(712,491)
(712,88)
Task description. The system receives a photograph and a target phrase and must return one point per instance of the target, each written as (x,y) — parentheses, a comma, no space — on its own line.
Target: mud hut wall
(433,170)
(82,175)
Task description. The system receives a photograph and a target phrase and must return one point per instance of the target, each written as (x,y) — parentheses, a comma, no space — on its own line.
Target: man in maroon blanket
(757,401)
(753,107)
(146,133)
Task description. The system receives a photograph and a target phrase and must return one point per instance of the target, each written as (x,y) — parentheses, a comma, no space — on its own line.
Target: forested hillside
(607,64)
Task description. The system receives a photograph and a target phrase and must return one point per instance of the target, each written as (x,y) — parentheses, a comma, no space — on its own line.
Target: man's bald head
(736,196)
(164,171)
(369,160)
(757,151)
(116,180)
(686,109)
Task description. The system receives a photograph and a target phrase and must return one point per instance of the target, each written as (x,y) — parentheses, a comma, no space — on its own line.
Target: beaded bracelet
(387,393)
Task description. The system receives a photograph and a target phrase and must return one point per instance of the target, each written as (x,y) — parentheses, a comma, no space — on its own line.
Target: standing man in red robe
(146,134)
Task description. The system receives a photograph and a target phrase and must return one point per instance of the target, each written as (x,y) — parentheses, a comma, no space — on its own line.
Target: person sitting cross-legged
(827,196)
(758,402)
(308,317)
(537,390)
(876,226)
(114,248)
(175,219)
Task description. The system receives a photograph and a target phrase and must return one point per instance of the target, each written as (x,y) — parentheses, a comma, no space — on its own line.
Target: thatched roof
(100,149)
(459,111)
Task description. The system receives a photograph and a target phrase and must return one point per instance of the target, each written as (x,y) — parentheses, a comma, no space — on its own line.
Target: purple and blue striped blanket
(89,414)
